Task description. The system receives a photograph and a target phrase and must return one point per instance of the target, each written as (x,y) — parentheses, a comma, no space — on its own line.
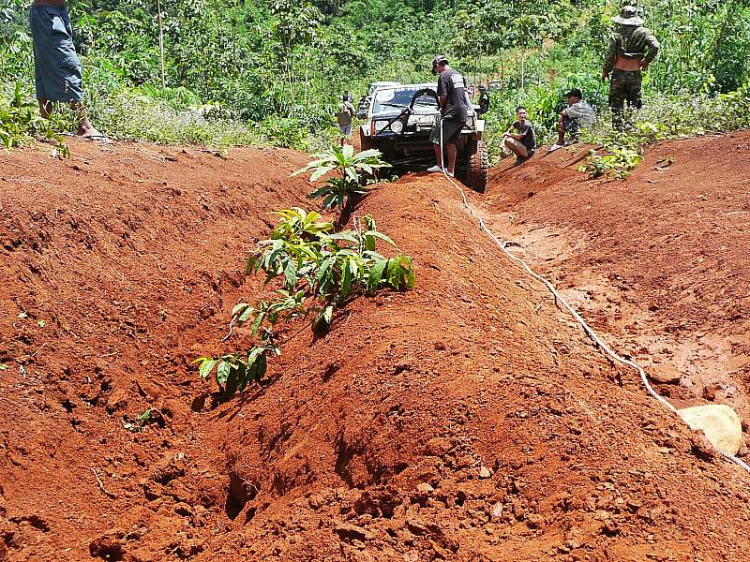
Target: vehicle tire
(477,166)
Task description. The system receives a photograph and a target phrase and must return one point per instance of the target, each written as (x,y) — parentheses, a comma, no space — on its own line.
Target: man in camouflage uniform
(631,49)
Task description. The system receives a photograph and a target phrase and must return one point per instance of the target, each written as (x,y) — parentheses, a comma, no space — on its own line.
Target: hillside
(657,261)
(468,419)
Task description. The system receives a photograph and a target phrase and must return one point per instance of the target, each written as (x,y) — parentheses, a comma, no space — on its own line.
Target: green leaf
(250,266)
(346,281)
(376,275)
(222,372)
(320,172)
(348,151)
(380,236)
(206,367)
(246,315)
(290,274)
(4,367)
(239,307)
(372,153)
(233,382)
(257,323)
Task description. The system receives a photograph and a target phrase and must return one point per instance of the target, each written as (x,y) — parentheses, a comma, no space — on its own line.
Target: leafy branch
(341,189)
(319,270)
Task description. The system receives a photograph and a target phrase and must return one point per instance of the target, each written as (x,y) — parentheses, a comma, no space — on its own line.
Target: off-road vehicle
(364,107)
(399,122)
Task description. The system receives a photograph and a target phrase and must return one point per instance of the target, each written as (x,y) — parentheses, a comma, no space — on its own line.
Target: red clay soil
(468,419)
(659,260)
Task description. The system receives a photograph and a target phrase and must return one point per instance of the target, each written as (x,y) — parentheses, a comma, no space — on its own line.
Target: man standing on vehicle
(454,109)
(632,48)
(344,118)
(57,69)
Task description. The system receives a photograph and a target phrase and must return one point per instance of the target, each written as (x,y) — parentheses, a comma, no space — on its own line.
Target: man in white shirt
(578,114)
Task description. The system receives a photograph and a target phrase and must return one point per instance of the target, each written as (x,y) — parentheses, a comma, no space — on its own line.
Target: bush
(20,122)
(340,189)
(319,270)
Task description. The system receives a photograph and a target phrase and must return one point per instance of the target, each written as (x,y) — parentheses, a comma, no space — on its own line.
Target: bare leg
(85,128)
(84,125)
(452,151)
(561,131)
(517,148)
(439,155)
(45,108)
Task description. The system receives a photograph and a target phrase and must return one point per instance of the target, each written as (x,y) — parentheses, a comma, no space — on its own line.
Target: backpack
(345,114)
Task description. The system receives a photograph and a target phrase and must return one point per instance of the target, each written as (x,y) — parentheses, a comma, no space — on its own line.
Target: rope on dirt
(590,332)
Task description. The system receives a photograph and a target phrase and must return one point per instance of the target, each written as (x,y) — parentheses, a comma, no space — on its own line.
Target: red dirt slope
(465,420)
(660,260)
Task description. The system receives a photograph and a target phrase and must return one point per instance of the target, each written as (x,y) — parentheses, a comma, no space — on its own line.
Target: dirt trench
(468,419)
(658,263)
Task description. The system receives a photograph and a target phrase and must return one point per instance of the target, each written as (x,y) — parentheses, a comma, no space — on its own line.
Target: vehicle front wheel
(364,142)
(477,166)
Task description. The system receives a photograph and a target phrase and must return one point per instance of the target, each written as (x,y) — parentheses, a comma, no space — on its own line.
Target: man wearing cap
(454,110)
(631,49)
(57,69)
(578,114)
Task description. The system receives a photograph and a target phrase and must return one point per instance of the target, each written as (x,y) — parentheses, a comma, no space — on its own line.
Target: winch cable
(589,331)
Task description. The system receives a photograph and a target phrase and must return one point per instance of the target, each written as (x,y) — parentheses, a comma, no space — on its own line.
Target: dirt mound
(659,260)
(113,265)
(468,419)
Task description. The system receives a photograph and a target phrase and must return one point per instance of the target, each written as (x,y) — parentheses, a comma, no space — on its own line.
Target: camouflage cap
(628,16)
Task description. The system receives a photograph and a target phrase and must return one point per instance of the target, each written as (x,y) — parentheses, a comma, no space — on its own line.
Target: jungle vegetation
(230,72)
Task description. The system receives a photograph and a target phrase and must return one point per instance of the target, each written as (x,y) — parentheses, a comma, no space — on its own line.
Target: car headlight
(380,125)
(397,126)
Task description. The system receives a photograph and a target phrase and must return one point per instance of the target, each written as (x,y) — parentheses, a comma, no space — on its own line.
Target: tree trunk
(161,44)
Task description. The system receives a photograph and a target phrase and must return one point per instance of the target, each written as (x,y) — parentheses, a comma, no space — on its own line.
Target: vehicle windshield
(387,100)
(375,85)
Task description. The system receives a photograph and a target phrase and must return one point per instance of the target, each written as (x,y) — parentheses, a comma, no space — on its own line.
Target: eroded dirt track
(660,261)
(468,419)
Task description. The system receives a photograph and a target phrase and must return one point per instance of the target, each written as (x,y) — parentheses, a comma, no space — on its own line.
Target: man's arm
(516,136)
(442,100)
(653,49)
(610,58)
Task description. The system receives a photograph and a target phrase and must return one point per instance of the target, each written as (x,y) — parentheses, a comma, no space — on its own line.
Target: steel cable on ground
(589,331)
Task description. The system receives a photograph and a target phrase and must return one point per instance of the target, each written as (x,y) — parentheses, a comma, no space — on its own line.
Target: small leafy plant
(140,422)
(319,270)
(623,152)
(20,123)
(340,189)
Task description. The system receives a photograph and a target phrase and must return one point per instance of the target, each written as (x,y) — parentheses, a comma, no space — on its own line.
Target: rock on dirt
(720,424)
(664,374)
(701,446)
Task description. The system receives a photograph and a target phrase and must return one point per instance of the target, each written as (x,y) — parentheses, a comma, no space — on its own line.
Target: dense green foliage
(318,270)
(272,70)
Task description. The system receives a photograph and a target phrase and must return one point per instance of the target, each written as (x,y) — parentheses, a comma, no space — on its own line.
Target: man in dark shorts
(57,69)
(484,100)
(632,47)
(520,139)
(454,109)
